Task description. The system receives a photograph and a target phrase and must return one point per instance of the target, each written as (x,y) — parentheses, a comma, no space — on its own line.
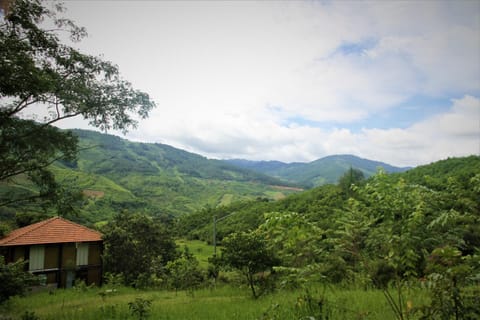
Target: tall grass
(224,302)
(199,249)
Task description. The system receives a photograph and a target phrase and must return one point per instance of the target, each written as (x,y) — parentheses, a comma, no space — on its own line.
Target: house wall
(68,256)
(94,275)
(52,256)
(95,253)
(60,262)
(19,253)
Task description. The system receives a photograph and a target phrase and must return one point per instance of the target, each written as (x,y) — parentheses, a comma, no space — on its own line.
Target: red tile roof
(53,230)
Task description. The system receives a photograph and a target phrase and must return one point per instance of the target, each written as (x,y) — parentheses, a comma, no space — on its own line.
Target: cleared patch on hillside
(93,193)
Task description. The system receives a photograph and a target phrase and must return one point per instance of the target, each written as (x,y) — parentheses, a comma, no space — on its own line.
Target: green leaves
(184,272)
(292,237)
(39,71)
(14,279)
(134,243)
(248,253)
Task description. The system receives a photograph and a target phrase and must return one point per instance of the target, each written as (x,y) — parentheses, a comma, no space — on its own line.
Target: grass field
(223,302)
(199,249)
(213,302)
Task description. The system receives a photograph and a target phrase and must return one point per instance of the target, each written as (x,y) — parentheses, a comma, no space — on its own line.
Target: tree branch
(21,105)
(33,168)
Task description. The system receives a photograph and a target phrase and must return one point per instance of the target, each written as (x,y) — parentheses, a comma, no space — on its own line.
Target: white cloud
(452,133)
(229,76)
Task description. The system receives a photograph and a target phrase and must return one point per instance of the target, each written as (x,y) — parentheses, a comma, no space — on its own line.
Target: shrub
(184,272)
(140,308)
(14,280)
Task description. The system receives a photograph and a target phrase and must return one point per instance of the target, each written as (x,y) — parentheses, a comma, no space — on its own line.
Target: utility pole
(215,220)
(214,236)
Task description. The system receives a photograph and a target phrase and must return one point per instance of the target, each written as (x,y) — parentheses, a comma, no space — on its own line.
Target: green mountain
(319,172)
(116,174)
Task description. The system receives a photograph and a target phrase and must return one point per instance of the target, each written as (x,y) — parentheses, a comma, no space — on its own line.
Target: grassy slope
(199,249)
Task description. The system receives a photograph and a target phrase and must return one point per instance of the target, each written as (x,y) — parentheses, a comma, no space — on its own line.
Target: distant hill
(116,174)
(319,172)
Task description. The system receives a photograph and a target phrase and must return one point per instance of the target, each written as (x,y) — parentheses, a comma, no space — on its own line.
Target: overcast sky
(394,81)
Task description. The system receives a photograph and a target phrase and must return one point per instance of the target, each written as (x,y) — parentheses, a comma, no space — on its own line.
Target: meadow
(215,303)
(199,249)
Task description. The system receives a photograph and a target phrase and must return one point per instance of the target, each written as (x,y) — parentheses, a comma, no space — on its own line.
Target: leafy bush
(184,272)
(14,280)
(30,316)
(140,308)
(447,281)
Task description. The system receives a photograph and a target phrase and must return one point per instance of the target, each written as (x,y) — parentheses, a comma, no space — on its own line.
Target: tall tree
(43,81)
(134,243)
(349,179)
(248,253)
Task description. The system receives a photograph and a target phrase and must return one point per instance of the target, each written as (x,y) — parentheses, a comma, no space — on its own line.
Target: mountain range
(116,174)
(326,170)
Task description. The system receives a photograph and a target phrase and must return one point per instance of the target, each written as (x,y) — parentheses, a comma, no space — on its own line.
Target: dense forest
(421,225)
(326,202)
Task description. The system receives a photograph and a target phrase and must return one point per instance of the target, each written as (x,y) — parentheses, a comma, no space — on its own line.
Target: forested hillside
(115,174)
(444,193)
(391,229)
(319,172)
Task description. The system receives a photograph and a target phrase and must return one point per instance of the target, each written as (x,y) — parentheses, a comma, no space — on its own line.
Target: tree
(350,178)
(248,253)
(37,70)
(184,272)
(133,245)
(293,238)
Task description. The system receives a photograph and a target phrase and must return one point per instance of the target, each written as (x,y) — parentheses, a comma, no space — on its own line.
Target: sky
(394,81)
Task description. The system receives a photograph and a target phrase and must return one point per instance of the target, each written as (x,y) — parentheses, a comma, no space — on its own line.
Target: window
(82,254)
(36,259)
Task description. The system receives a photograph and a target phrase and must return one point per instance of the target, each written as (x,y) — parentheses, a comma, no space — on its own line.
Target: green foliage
(294,239)
(309,307)
(248,253)
(351,178)
(27,315)
(349,240)
(140,308)
(14,280)
(37,69)
(383,236)
(317,205)
(184,272)
(133,244)
(113,280)
(448,278)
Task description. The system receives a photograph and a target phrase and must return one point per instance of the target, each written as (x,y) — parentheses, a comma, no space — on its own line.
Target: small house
(57,250)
